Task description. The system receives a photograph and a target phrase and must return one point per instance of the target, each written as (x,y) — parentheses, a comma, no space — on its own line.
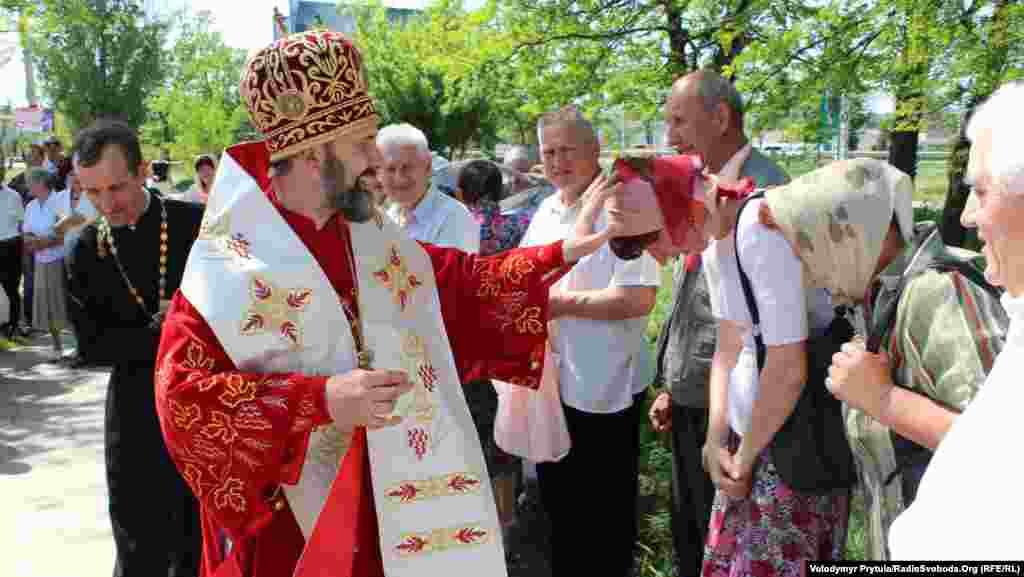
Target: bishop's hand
(366,398)
(584,240)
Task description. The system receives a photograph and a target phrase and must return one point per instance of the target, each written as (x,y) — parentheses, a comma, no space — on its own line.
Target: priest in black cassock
(126,268)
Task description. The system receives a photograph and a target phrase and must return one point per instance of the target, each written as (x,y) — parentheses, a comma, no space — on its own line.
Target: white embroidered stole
(274,311)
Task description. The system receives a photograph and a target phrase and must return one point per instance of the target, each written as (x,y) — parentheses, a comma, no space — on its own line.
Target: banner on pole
(34,118)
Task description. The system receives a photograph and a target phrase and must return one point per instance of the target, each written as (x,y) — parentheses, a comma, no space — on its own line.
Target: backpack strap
(748,291)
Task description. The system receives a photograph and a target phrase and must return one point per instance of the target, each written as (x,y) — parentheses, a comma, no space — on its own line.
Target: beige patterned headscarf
(836,219)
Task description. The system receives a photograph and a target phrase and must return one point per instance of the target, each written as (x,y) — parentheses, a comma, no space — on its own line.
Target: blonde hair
(567,116)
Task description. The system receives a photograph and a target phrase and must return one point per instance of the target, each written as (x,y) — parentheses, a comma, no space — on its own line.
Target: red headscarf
(678,183)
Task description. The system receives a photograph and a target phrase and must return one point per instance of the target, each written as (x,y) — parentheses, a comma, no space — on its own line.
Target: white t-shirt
(603,363)
(40,219)
(441,220)
(786,309)
(966,508)
(13,213)
(61,204)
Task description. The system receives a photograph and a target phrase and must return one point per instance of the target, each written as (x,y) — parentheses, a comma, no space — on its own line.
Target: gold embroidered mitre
(307,89)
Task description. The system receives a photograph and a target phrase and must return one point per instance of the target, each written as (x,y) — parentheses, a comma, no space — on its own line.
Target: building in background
(309,14)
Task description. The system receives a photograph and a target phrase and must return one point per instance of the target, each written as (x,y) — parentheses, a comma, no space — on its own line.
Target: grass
(654,552)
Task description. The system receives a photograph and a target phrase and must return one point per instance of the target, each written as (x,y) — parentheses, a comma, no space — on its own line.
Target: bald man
(704,115)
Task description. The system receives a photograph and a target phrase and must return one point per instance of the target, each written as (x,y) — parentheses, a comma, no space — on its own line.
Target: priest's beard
(352,200)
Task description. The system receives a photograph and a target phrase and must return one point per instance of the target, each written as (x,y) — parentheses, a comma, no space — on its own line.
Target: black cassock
(154,516)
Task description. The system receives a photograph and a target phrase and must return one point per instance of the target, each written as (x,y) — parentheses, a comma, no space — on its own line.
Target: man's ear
(723,117)
(429,162)
(143,170)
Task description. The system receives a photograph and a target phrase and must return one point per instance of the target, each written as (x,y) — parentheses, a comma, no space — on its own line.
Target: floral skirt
(775,530)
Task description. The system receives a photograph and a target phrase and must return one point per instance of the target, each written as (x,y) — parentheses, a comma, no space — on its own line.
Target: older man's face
(404,173)
(39,190)
(690,128)
(570,158)
(997,213)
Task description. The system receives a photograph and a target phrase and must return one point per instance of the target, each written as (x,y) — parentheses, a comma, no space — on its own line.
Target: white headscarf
(836,219)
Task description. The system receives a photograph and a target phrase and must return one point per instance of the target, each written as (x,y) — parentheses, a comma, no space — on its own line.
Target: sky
(244,24)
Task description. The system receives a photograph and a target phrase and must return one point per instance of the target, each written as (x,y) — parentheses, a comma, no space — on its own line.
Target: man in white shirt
(599,313)
(11,217)
(426,213)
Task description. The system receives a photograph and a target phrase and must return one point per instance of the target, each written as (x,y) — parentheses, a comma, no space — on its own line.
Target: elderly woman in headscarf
(835,229)
(936,325)
(956,515)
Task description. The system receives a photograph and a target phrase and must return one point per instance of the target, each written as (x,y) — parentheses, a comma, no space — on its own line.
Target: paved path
(53,494)
(52,488)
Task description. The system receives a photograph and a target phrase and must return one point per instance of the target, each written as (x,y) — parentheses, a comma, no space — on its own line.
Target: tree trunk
(956,196)
(678,37)
(903,151)
(953,233)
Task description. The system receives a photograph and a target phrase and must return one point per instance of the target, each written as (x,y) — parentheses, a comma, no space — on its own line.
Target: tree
(198,108)
(433,71)
(993,57)
(606,54)
(97,58)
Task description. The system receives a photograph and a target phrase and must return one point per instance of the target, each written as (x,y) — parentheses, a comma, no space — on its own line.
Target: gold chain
(364,357)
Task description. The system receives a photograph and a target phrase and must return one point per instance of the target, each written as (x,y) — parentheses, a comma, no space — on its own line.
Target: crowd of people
(308,351)
(46,215)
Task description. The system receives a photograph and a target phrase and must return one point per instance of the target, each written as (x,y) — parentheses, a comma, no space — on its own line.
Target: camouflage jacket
(946,335)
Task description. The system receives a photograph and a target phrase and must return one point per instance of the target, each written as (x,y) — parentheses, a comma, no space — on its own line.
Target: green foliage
(96,58)
(612,55)
(198,109)
(435,71)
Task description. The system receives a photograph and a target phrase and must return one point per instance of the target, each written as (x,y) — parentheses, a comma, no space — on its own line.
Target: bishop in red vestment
(237,436)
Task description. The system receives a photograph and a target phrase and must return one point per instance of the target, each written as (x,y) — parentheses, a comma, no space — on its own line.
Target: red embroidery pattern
(504,280)
(515,268)
(194,477)
(442,539)
(395,276)
(274,309)
(249,461)
(411,544)
(207,450)
(470,535)
(524,320)
(185,417)
(490,285)
(463,483)
(418,441)
(254,444)
(405,493)
(229,495)
(428,375)
(220,453)
(452,485)
(219,428)
(196,363)
(237,390)
(250,417)
(239,245)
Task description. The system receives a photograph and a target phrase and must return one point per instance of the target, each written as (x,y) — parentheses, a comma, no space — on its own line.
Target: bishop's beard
(352,200)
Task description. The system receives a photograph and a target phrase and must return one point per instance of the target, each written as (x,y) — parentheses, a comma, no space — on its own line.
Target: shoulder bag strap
(748,291)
